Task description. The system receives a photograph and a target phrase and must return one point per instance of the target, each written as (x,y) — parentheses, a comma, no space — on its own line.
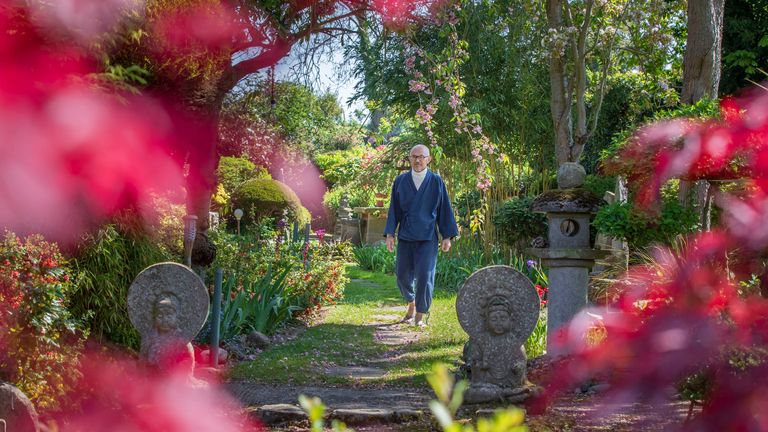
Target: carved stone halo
(496,281)
(159,279)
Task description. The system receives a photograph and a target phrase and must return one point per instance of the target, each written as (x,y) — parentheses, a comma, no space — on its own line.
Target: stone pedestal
(569,255)
(373,220)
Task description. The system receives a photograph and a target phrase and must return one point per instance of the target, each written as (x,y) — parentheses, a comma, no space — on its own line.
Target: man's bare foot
(409,312)
(419,320)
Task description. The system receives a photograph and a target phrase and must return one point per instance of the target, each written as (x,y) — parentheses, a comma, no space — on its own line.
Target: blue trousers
(415,269)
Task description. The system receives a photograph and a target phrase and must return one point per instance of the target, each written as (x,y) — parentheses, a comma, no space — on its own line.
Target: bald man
(419,209)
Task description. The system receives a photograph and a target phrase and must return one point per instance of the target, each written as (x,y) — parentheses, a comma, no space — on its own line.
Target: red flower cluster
(691,311)
(542,292)
(322,285)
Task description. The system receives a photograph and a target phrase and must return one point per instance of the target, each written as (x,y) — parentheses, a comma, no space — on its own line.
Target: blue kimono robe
(417,216)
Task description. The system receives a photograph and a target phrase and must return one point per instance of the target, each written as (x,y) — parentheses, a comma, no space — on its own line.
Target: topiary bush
(40,339)
(260,198)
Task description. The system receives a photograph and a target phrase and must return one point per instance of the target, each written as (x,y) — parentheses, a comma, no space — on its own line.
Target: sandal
(406,319)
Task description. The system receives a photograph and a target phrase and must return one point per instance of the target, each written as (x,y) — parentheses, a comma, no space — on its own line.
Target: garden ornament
(168,305)
(498,307)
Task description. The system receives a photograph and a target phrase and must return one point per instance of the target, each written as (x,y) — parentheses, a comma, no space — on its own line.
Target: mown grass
(346,338)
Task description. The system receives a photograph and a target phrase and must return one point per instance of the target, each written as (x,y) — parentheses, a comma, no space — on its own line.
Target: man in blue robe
(418,209)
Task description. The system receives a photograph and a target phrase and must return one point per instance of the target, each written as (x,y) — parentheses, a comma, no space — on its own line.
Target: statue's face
(166,318)
(498,322)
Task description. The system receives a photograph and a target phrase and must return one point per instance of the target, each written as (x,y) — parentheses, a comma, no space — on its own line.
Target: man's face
(419,159)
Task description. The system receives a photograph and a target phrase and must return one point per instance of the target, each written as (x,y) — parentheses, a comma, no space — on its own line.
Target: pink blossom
(423,116)
(416,86)
(454,101)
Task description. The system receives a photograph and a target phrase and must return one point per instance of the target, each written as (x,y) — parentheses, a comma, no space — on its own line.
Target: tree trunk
(701,78)
(202,160)
(701,61)
(560,104)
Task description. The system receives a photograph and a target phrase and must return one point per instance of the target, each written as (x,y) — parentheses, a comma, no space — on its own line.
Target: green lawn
(346,338)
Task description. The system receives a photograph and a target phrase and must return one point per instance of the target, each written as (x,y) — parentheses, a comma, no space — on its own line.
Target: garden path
(363,399)
(357,360)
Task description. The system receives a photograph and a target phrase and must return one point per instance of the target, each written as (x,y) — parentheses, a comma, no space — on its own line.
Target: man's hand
(446,245)
(390,243)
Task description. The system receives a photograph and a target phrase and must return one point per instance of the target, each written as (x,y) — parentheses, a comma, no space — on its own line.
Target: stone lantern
(347,227)
(569,255)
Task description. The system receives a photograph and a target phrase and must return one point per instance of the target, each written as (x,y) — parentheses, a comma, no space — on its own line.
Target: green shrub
(340,167)
(640,229)
(356,196)
(255,304)
(599,185)
(107,263)
(40,338)
(260,198)
(234,253)
(234,171)
(165,223)
(322,284)
(517,224)
(375,258)
(316,277)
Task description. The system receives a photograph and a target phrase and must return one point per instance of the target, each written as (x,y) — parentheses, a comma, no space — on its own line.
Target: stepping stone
(390,357)
(363,416)
(389,319)
(404,401)
(279,413)
(356,372)
(394,338)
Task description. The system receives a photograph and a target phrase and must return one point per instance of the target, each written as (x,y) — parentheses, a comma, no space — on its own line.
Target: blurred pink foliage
(688,310)
(71,154)
(117,395)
